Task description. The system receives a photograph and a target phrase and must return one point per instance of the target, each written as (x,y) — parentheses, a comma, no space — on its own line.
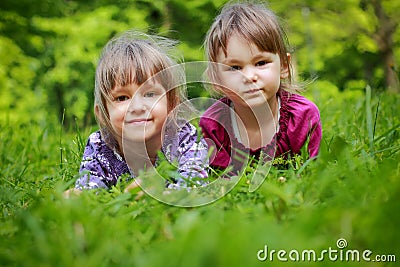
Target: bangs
(259,28)
(129,64)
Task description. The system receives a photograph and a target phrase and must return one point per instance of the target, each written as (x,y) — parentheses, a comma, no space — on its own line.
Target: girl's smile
(138,112)
(134,122)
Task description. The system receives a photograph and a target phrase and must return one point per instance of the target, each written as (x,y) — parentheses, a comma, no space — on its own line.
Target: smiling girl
(137,88)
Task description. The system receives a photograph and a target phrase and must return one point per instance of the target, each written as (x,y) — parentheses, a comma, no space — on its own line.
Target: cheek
(161,108)
(228,91)
(117,112)
(230,81)
(272,75)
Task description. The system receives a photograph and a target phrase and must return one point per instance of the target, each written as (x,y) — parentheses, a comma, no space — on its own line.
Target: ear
(285,67)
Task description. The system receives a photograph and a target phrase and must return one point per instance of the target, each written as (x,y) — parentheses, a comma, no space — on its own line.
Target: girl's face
(139,112)
(249,76)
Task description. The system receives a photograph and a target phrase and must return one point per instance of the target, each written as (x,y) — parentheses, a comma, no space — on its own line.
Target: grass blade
(370,128)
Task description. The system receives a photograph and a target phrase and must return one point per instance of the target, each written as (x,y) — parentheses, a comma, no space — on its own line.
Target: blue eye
(233,68)
(150,94)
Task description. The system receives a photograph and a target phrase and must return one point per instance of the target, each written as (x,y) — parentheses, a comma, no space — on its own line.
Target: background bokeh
(49,48)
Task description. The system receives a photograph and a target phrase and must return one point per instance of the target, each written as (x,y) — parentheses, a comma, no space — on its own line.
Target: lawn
(344,206)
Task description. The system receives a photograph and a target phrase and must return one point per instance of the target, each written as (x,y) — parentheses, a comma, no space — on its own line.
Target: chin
(134,139)
(253,103)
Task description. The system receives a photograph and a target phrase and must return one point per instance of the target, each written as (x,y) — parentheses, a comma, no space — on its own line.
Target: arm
(95,169)
(192,154)
(314,134)
(305,129)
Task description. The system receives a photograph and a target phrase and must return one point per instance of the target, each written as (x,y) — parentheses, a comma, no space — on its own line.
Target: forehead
(150,84)
(237,48)
(237,44)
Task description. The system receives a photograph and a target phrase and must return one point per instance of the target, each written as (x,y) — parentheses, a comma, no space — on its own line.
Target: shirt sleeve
(94,168)
(305,128)
(314,134)
(192,154)
(214,124)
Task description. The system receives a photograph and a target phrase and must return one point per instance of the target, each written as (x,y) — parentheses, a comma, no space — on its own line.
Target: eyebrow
(229,61)
(258,56)
(263,55)
(117,89)
(151,85)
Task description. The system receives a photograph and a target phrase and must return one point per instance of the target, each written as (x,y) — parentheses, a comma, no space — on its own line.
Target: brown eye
(121,98)
(261,63)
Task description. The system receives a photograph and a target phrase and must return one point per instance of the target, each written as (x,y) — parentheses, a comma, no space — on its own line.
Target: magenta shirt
(299,120)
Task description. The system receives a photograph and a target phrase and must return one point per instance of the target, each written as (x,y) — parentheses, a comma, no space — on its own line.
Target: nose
(137,104)
(249,74)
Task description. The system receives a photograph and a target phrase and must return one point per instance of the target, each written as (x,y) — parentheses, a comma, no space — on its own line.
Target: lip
(139,121)
(252,91)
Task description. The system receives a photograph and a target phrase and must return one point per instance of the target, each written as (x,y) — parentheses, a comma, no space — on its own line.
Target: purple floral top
(299,123)
(101,165)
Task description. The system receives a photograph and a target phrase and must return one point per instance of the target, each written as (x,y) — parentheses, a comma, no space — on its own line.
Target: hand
(135,187)
(71,192)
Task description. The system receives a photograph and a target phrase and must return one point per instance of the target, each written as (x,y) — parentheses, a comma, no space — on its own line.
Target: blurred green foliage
(49,49)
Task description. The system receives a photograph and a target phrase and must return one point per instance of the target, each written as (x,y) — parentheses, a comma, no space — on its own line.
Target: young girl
(250,65)
(137,88)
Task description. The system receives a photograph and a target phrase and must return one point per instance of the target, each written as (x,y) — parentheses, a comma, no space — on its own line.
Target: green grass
(352,191)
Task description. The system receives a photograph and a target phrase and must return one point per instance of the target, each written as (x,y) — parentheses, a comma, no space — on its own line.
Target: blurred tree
(49,49)
(64,37)
(338,41)
(387,22)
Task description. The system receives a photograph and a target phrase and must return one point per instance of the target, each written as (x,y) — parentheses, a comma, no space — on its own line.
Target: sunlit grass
(351,191)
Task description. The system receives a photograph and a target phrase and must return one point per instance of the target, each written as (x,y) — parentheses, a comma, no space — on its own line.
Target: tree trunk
(391,73)
(383,37)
